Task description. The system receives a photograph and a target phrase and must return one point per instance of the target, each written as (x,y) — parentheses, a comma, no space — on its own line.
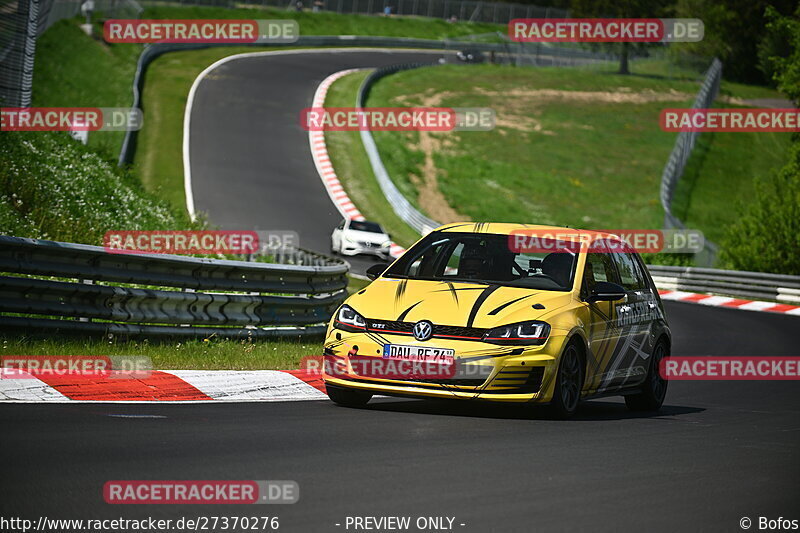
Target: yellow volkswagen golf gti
(504,313)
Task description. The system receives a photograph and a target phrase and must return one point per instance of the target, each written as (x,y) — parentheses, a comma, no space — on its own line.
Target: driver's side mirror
(376,270)
(605,291)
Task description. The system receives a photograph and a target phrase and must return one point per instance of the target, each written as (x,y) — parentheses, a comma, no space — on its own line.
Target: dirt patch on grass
(622,96)
(429,195)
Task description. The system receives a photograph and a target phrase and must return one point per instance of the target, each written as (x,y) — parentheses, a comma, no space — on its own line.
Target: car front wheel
(348,397)
(569,382)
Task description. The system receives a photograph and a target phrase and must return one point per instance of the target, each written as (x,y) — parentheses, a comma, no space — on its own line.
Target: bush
(767,236)
(52,187)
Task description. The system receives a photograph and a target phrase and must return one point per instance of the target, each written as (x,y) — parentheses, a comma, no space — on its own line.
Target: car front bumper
(485,371)
(349,248)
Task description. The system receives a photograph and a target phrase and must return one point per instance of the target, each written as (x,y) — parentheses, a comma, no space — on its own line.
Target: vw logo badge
(423,330)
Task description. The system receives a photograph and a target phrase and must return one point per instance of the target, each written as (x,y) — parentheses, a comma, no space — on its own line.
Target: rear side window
(630,276)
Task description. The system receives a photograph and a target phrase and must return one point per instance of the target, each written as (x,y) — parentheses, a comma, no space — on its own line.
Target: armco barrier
(174,296)
(402,207)
(740,284)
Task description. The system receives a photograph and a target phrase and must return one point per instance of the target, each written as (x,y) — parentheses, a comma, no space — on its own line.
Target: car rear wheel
(569,383)
(654,388)
(348,397)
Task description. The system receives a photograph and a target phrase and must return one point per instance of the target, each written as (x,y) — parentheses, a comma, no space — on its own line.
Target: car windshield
(363,225)
(487,258)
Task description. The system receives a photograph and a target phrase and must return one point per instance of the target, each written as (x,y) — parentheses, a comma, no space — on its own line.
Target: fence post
(31,29)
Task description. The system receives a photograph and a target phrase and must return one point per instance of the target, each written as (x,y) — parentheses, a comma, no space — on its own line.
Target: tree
(621,9)
(734,30)
(779,52)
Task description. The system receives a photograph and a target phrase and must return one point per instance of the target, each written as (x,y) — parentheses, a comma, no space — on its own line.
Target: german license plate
(423,354)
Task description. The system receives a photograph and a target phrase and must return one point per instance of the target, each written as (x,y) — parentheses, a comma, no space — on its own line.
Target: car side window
(599,267)
(630,276)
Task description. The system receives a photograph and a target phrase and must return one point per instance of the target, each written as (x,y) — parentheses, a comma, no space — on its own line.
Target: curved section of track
(251,167)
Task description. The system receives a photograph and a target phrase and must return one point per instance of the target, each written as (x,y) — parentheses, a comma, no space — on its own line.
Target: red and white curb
(319,152)
(731,303)
(177,386)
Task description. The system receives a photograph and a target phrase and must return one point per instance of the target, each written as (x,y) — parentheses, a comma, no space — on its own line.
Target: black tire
(348,397)
(654,388)
(569,382)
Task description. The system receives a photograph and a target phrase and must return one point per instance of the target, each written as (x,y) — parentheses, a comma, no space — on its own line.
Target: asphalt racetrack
(717,452)
(250,158)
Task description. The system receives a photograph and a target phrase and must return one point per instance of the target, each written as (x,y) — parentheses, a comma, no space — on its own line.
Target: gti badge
(423,330)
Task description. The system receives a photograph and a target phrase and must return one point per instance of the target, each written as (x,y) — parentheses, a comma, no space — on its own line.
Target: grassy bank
(329,23)
(719,180)
(53,187)
(573,146)
(75,70)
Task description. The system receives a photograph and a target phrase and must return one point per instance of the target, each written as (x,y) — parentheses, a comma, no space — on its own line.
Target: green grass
(353,169)
(329,23)
(53,187)
(581,163)
(720,177)
(208,354)
(75,70)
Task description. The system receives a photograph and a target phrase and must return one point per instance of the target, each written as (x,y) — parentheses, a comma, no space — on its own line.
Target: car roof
(505,228)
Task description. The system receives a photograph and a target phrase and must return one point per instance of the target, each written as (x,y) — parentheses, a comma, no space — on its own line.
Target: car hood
(454,303)
(366,236)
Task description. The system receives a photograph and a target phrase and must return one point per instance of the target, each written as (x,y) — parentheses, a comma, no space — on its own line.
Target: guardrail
(404,209)
(684,144)
(164,295)
(736,283)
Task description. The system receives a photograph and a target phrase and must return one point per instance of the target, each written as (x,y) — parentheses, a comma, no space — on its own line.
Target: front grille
(440,331)
(464,382)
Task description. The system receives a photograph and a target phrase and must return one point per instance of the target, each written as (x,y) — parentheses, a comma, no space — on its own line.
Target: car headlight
(532,332)
(348,319)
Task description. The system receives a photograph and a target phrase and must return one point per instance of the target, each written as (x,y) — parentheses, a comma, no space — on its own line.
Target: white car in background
(352,237)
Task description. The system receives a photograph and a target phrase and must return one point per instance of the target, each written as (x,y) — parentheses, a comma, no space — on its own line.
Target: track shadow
(587,411)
